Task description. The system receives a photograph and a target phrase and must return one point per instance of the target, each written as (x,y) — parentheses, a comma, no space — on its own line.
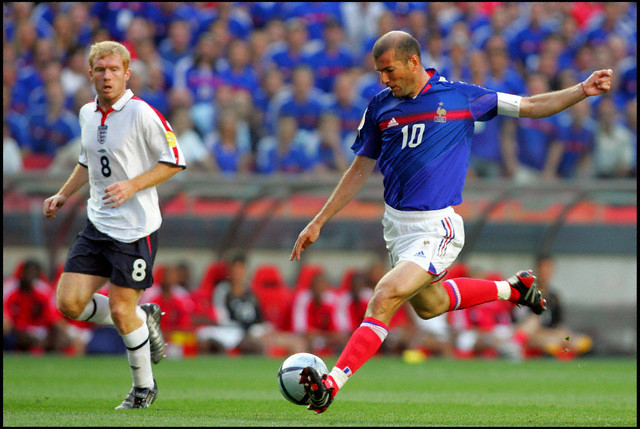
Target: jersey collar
(433,77)
(118,105)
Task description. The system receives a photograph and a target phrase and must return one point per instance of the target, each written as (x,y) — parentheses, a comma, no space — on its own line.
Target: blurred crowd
(280,87)
(232,310)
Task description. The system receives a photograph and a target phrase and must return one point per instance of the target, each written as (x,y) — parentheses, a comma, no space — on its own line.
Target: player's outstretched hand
(598,83)
(308,235)
(52,204)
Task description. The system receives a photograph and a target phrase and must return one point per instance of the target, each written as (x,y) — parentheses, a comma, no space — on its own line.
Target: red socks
(464,292)
(367,339)
(363,344)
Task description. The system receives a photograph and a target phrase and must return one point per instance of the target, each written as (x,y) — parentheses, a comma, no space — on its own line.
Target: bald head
(403,44)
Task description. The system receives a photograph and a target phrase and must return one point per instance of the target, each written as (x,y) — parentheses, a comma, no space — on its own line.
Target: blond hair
(108,47)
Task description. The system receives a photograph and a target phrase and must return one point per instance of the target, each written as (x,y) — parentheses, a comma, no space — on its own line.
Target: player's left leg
(131,320)
(131,274)
(463,292)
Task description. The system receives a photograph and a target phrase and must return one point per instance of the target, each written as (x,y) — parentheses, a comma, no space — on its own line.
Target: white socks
(137,342)
(504,290)
(339,376)
(139,354)
(98,311)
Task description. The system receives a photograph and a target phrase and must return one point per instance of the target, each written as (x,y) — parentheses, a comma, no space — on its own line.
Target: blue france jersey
(422,144)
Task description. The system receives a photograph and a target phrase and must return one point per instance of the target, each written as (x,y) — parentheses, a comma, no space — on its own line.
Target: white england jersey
(120,144)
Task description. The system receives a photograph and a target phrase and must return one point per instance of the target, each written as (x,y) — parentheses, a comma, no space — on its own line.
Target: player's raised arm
(550,103)
(352,181)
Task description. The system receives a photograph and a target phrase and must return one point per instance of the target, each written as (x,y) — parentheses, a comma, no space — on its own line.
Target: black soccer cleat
(156,339)
(319,388)
(525,283)
(139,397)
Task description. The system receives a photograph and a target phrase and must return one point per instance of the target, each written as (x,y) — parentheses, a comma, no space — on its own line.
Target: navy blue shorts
(124,264)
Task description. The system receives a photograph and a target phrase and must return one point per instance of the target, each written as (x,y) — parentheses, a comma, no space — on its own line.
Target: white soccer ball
(289,376)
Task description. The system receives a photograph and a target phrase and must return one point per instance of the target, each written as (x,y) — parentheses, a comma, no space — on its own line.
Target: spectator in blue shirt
(486,145)
(527,161)
(572,152)
(230,158)
(305,103)
(200,72)
(498,22)
(115,16)
(333,57)
(502,76)
(347,105)
(178,43)
(54,127)
(331,150)
(240,74)
(271,87)
(528,41)
(293,52)
(287,152)
(616,18)
(368,82)
(236,20)
(315,14)
(263,12)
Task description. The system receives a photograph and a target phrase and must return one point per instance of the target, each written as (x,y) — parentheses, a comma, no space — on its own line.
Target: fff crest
(102,134)
(442,114)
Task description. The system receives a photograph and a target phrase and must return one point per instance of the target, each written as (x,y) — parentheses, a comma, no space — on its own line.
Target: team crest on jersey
(102,134)
(171,138)
(442,114)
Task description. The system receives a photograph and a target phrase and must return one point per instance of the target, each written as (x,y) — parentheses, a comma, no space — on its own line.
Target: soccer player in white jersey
(127,149)
(419,130)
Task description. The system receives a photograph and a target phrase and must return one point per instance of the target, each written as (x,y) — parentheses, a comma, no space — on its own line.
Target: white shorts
(431,239)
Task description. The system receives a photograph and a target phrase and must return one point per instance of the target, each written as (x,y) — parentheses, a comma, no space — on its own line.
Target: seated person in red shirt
(315,316)
(353,302)
(174,300)
(29,318)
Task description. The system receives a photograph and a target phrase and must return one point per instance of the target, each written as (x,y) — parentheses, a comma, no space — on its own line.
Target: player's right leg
(77,299)
(395,288)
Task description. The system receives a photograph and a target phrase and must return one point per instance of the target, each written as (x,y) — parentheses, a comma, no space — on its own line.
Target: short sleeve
(483,102)
(368,141)
(161,138)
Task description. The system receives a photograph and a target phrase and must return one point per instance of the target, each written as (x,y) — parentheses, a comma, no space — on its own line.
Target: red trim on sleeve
(164,123)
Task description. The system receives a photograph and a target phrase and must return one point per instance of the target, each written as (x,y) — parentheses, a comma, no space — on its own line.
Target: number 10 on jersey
(417,130)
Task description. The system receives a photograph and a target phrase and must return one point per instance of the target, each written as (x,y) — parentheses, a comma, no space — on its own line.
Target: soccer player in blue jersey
(418,130)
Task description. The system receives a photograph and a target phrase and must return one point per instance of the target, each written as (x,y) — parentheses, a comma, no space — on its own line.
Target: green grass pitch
(242,391)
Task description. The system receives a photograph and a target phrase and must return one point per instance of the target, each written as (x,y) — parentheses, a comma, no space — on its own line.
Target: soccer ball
(289,376)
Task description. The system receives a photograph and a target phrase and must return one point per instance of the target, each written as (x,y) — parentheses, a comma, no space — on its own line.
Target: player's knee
(70,306)
(119,314)
(124,316)
(432,302)
(386,300)
(426,313)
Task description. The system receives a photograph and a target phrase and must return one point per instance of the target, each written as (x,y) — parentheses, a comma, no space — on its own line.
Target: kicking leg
(400,284)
